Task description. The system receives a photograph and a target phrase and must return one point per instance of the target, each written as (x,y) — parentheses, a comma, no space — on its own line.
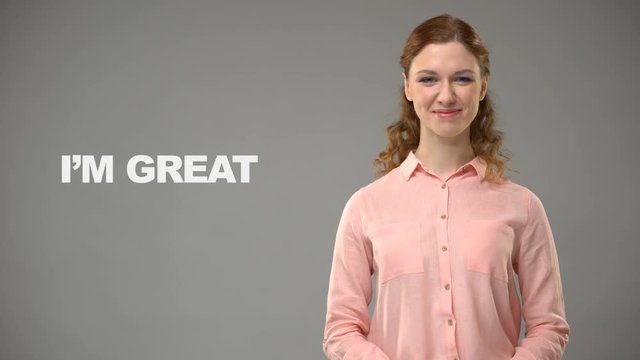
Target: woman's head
(450,39)
(445,87)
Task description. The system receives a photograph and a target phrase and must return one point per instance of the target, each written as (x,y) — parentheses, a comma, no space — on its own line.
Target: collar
(409,165)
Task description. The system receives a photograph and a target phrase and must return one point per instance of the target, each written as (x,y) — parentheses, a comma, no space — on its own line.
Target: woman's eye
(464,79)
(427,80)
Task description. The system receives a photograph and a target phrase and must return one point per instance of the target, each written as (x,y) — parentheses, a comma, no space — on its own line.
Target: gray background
(240,271)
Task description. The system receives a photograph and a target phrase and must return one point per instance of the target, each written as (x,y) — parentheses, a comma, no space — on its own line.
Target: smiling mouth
(446,113)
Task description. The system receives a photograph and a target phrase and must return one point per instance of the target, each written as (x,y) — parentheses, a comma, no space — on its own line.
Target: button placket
(446,300)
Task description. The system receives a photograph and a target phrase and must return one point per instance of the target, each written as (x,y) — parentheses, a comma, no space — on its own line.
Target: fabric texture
(443,255)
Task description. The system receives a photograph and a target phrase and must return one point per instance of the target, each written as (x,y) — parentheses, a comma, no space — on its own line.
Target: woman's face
(446,88)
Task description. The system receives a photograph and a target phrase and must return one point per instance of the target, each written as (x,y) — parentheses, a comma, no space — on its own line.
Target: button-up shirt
(443,255)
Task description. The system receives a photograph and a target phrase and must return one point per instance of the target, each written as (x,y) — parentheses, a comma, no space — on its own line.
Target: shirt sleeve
(547,330)
(349,295)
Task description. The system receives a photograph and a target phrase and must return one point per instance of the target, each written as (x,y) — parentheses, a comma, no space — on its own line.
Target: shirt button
(444,248)
(444,216)
(443,186)
(447,286)
(450,322)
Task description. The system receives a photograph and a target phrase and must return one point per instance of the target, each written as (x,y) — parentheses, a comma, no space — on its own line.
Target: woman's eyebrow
(427,71)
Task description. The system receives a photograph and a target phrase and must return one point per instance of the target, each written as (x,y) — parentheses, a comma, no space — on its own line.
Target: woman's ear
(407,93)
(485,87)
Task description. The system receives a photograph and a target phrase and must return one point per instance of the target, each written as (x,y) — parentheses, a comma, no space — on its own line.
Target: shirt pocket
(489,245)
(397,249)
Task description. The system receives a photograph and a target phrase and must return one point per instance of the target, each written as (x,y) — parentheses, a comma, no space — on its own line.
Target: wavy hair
(404,134)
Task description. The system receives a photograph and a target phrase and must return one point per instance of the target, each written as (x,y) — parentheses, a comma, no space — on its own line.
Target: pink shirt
(444,253)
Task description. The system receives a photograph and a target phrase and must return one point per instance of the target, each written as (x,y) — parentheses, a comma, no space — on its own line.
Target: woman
(443,230)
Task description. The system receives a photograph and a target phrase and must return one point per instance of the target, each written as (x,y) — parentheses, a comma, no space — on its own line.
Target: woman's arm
(547,330)
(349,294)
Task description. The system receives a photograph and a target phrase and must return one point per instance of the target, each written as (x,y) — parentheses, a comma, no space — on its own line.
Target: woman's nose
(447,94)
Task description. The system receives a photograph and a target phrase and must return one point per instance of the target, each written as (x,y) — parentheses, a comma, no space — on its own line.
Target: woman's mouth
(447,113)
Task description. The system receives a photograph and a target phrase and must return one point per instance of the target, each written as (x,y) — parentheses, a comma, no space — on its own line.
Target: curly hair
(404,134)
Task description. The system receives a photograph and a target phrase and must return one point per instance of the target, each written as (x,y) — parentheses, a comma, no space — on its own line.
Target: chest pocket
(397,249)
(489,245)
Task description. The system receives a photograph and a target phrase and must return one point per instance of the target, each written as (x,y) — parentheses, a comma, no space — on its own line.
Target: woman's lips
(446,113)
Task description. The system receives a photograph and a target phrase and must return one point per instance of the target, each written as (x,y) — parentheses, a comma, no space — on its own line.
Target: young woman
(443,230)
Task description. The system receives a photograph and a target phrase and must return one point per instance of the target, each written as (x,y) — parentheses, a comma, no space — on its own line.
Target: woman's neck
(444,157)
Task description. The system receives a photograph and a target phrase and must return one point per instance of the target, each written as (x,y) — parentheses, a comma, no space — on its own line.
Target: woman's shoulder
(383,183)
(519,191)
(376,187)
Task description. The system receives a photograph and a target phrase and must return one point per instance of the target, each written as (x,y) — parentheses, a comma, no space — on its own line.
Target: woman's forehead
(451,57)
